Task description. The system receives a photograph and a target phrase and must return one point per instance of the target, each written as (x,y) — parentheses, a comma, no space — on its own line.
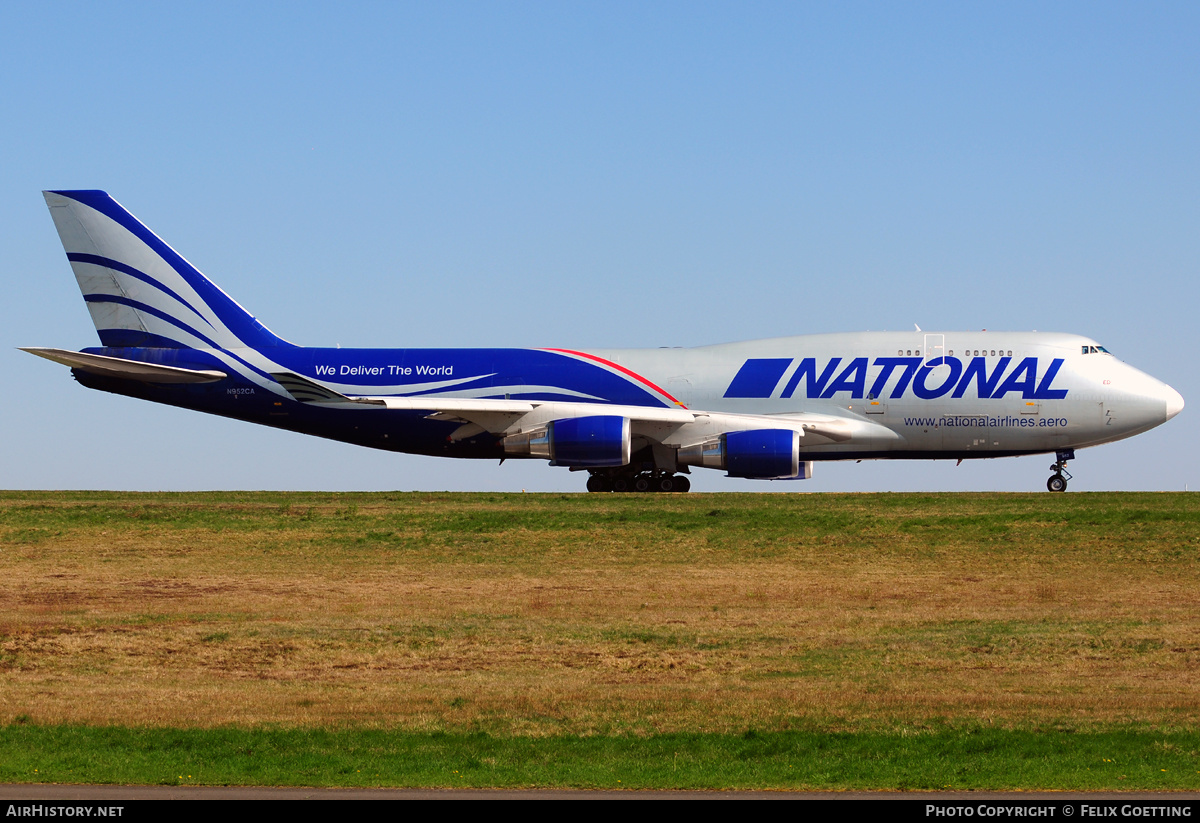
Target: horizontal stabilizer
(127,369)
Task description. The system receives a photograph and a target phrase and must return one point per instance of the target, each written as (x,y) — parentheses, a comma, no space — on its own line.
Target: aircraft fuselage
(980,394)
(632,418)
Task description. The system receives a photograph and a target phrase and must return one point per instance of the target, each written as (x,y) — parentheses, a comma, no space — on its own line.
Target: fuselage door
(681,389)
(935,349)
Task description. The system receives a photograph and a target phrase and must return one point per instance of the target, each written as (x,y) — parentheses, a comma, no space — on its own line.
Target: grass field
(750,623)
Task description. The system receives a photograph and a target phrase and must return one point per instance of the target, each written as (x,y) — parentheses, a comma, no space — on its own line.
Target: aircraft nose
(1174,402)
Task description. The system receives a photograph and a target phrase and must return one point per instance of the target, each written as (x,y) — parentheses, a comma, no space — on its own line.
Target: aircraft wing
(674,426)
(493,415)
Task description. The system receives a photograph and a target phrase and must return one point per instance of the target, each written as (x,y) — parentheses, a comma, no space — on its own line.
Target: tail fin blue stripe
(134,339)
(117,265)
(121,338)
(148,309)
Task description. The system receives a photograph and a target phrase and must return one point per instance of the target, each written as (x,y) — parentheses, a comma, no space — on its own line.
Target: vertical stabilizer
(140,291)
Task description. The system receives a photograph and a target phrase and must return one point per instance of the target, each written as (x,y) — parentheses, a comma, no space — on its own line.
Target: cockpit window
(1095,350)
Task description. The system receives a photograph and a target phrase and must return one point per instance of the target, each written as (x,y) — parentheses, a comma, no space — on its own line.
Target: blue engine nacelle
(758,454)
(591,442)
(601,440)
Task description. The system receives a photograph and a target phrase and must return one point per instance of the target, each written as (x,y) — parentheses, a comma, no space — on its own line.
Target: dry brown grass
(541,614)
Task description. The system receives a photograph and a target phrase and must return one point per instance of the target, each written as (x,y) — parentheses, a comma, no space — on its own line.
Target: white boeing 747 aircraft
(634,419)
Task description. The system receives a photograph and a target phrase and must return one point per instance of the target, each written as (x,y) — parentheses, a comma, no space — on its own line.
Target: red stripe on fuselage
(621,369)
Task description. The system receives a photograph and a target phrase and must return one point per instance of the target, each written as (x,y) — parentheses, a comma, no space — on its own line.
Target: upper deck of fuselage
(881,343)
(715,361)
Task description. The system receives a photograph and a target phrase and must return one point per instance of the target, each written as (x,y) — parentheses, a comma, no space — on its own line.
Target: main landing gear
(1058,480)
(641,482)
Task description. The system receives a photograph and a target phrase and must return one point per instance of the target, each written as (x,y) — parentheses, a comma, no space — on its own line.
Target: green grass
(892,641)
(958,759)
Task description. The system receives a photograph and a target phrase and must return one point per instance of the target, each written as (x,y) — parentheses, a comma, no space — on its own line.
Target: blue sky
(600,175)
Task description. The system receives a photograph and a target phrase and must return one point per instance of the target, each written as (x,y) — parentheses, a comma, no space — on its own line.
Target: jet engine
(758,454)
(595,441)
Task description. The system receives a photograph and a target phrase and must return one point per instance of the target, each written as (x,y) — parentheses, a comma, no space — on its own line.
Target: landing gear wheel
(1058,480)
(682,484)
(598,483)
(622,483)
(641,483)
(666,484)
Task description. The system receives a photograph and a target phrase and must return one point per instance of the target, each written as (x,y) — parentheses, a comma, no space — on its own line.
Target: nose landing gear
(1058,480)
